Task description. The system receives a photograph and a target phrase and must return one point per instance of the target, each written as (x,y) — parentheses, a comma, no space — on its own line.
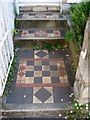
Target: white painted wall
(6,42)
(6,17)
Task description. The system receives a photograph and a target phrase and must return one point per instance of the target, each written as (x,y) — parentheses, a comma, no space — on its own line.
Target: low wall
(82,83)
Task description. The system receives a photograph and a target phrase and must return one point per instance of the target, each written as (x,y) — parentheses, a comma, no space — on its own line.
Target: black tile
(45,62)
(37,80)
(63,32)
(60,16)
(19,33)
(31,31)
(49,14)
(56,54)
(49,31)
(23,96)
(25,54)
(55,79)
(45,73)
(20,15)
(37,68)
(31,14)
(29,73)
(10,98)
(43,94)
(30,62)
(61,93)
(53,68)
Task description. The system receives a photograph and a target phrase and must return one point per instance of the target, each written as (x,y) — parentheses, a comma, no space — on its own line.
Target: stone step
(40,34)
(41,24)
(40,37)
(40,16)
(44,110)
(39,8)
(43,43)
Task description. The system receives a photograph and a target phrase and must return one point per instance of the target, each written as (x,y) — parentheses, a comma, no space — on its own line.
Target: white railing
(6,58)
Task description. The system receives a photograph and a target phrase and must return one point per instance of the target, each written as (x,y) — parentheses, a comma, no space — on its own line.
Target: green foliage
(48,46)
(78,14)
(78,111)
(16,23)
(15,31)
(11,76)
(69,36)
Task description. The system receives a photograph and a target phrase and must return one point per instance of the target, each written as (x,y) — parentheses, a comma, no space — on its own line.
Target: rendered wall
(82,83)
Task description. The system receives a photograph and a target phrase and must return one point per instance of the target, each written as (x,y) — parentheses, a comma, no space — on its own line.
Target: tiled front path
(38,15)
(40,34)
(42,77)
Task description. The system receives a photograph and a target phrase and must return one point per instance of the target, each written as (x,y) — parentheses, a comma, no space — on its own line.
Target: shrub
(78,14)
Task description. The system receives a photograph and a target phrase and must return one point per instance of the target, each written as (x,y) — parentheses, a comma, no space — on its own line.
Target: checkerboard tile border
(26,77)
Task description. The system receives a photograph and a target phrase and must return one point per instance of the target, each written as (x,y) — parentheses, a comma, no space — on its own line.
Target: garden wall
(82,83)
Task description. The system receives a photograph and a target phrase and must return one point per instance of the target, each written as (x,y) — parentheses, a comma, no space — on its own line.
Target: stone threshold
(36,107)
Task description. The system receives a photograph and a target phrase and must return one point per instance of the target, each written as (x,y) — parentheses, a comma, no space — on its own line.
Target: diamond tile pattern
(40,33)
(21,74)
(42,95)
(41,73)
(41,53)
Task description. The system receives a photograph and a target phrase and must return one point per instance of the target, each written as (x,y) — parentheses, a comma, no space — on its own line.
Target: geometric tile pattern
(41,78)
(42,74)
(43,95)
(40,33)
(32,15)
(35,73)
(41,54)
